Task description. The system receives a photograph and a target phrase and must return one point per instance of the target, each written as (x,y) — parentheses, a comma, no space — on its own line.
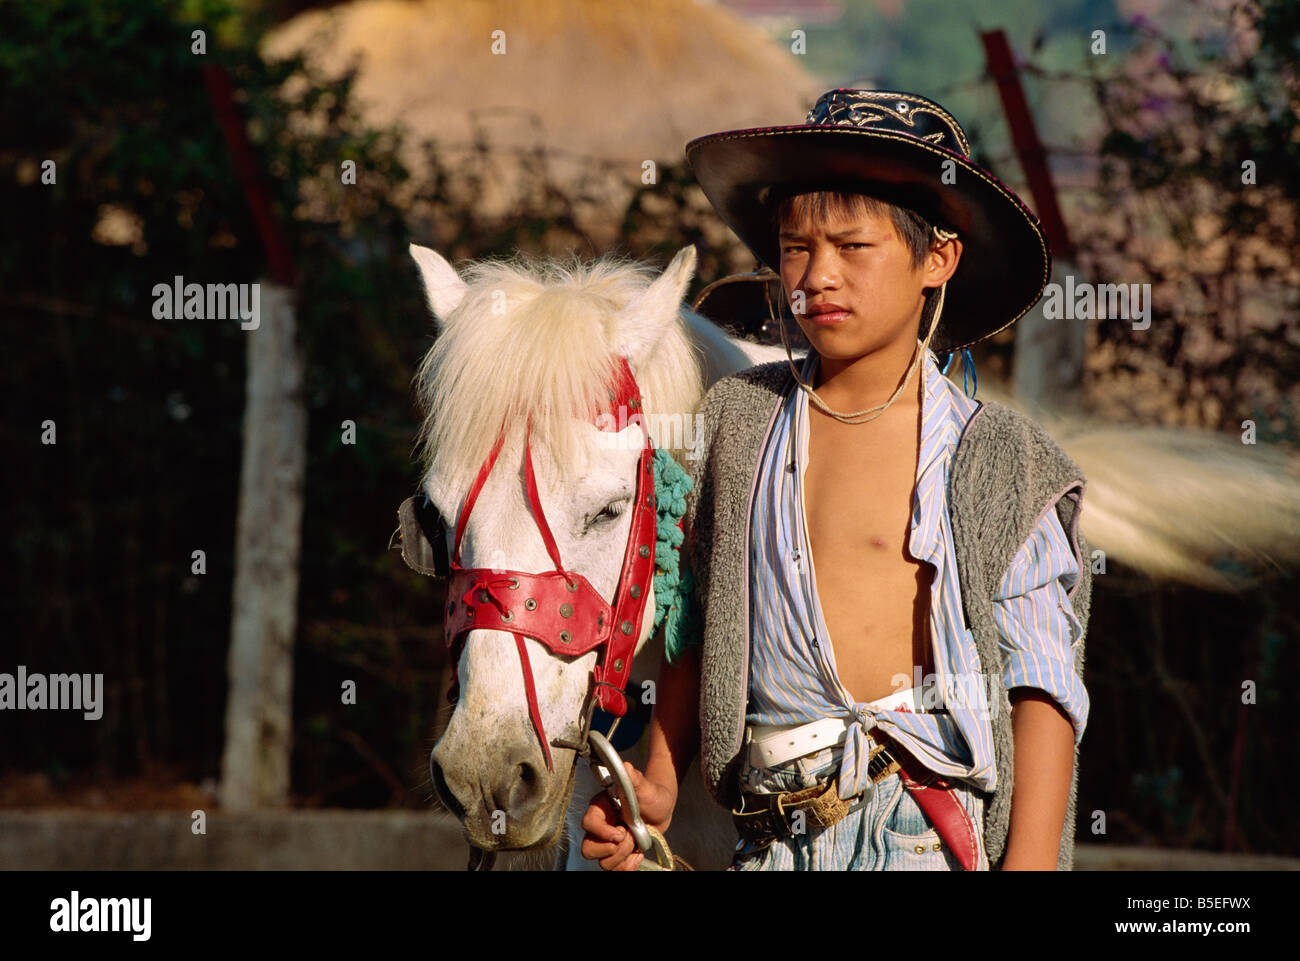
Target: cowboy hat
(901,148)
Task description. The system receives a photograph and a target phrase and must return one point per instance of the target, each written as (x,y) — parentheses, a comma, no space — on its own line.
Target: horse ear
(646,318)
(442,285)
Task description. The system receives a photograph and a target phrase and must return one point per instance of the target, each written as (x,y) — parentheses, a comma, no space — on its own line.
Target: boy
(887,567)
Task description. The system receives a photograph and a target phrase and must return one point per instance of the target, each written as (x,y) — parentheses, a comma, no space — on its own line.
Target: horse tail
(1185,505)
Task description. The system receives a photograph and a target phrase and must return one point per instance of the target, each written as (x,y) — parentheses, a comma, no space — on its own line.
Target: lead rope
(533,711)
(539,517)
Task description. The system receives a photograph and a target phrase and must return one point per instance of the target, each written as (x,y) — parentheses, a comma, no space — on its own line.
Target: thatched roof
(628,80)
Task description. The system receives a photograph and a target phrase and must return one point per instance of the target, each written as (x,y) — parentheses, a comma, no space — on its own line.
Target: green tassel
(673,581)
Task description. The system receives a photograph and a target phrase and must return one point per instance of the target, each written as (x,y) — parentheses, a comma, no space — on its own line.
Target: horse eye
(611,511)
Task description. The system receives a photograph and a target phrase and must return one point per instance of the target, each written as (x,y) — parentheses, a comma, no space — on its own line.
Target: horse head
(517,390)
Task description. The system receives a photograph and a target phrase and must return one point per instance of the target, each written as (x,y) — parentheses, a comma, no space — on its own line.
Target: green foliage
(149,411)
(1200,164)
(932,47)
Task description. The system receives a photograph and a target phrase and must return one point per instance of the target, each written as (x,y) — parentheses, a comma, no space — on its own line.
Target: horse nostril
(444,792)
(527,790)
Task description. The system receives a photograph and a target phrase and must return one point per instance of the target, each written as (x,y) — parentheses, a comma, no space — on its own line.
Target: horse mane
(534,342)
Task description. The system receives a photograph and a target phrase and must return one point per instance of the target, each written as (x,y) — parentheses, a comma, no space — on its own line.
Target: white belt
(774,744)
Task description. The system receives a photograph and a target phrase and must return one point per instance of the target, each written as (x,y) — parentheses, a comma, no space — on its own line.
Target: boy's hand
(608,840)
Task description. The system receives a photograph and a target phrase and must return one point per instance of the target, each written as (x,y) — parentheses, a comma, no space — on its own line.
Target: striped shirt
(793,678)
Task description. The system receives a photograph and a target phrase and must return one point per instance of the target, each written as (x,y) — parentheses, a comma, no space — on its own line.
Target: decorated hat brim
(1005,261)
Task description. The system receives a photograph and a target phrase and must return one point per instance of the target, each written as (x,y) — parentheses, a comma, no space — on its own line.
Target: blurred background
(1166,132)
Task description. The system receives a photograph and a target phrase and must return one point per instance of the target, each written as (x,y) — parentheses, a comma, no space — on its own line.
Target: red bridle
(560,608)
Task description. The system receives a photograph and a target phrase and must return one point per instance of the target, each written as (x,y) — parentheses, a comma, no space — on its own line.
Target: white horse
(533,343)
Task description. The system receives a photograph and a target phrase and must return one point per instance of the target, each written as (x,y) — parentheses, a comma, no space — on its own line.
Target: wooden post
(1048,371)
(1049,353)
(259,704)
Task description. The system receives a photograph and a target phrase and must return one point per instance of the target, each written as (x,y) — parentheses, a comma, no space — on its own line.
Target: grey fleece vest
(1005,475)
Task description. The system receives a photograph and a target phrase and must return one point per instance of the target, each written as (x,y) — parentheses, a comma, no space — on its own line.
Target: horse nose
(516,789)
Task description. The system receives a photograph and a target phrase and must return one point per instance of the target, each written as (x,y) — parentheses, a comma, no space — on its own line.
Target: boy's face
(862,265)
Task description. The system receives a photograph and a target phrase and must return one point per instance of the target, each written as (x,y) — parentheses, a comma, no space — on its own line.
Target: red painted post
(1033,158)
(279,258)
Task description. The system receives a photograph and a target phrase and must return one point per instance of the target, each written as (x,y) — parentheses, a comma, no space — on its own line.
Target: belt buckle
(776,816)
(769,822)
(776,808)
(837,808)
(824,808)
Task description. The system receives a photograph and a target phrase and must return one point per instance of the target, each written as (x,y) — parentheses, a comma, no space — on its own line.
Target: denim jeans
(885,830)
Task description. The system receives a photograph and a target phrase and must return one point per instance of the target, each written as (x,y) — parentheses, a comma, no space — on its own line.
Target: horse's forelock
(533,342)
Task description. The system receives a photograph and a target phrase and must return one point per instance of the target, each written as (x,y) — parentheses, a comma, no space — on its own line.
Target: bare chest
(875,596)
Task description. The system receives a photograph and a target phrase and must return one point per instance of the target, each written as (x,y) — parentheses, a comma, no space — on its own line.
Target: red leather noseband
(560,608)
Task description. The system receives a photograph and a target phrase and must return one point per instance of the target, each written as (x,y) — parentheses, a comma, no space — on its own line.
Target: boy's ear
(942,262)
